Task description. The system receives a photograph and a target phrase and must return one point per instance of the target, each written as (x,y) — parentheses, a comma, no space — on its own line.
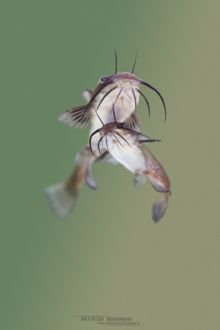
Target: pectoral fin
(106,157)
(77,117)
(139,180)
(90,181)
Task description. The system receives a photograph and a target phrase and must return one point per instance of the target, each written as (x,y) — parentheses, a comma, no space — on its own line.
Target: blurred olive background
(108,258)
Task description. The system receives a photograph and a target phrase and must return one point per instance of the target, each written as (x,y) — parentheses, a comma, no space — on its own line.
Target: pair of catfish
(114,137)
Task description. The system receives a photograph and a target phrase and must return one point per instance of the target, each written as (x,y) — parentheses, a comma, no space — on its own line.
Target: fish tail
(161,183)
(60,200)
(160,207)
(62,196)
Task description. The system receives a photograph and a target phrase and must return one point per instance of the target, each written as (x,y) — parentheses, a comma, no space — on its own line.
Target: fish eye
(103,79)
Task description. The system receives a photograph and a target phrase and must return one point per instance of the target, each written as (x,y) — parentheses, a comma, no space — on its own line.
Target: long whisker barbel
(122,138)
(105,96)
(148,139)
(113,109)
(106,143)
(135,100)
(116,61)
(117,139)
(124,127)
(160,96)
(99,144)
(99,117)
(146,100)
(110,128)
(135,59)
(98,131)
(151,140)
(90,140)
(102,87)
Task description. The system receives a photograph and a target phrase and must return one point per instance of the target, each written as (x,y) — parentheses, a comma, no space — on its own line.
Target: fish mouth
(123,77)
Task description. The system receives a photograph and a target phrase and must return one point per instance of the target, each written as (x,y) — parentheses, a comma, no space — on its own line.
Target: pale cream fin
(139,180)
(87,94)
(90,181)
(60,200)
(62,196)
(76,117)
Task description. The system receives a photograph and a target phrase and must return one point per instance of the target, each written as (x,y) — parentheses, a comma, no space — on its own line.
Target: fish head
(121,79)
(129,81)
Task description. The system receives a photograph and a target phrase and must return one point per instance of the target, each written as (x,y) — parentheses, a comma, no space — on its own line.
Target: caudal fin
(62,196)
(160,207)
(60,200)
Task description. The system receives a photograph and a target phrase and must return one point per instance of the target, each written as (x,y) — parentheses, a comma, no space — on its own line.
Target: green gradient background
(108,257)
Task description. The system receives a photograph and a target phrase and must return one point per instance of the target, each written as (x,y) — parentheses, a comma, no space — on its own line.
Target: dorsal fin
(132,122)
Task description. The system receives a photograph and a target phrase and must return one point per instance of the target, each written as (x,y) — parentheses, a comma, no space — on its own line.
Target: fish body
(142,163)
(127,148)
